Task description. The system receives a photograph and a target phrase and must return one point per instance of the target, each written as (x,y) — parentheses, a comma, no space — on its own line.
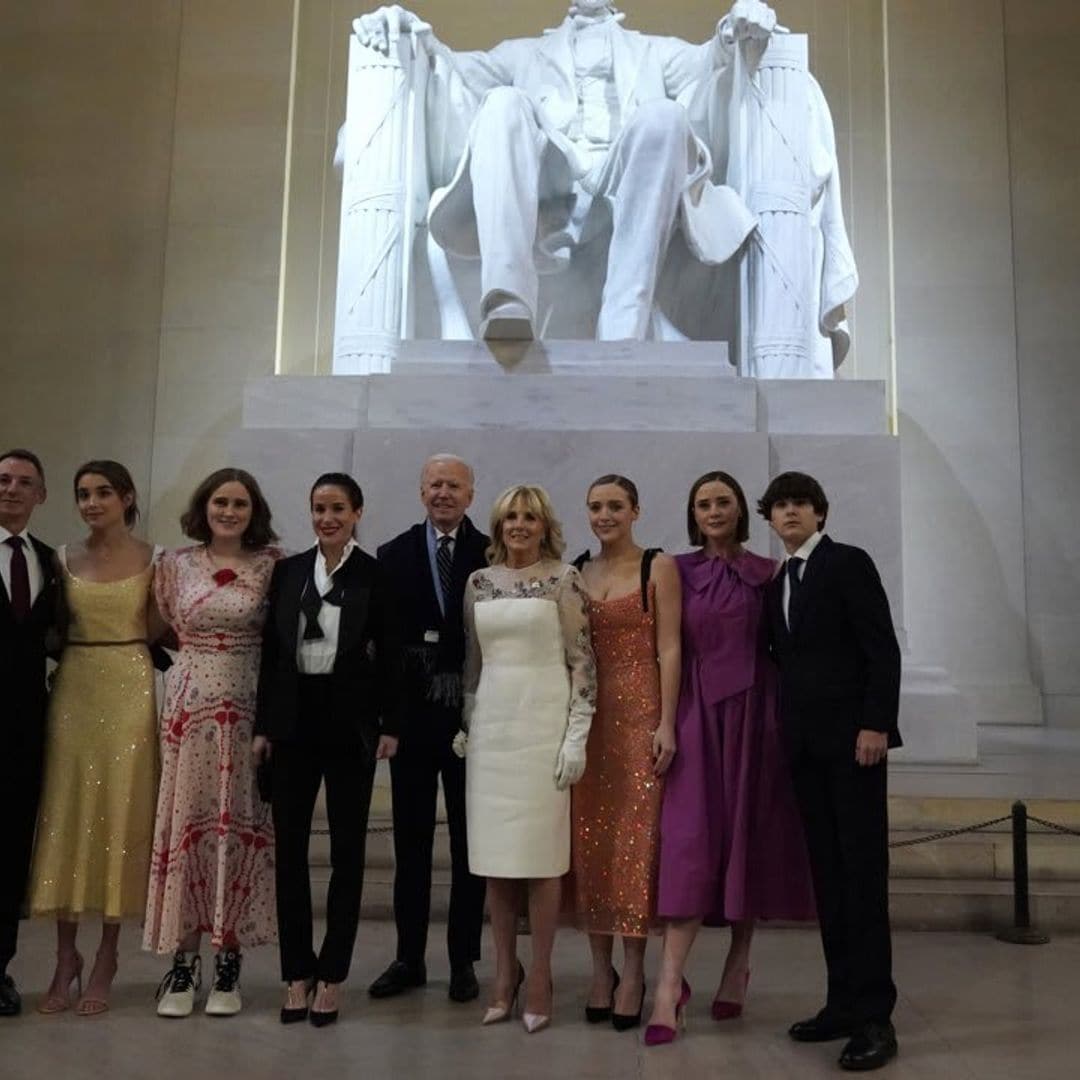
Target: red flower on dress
(224,575)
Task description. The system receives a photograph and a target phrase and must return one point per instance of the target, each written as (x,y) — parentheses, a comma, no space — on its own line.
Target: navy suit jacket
(839,660)
(407,572)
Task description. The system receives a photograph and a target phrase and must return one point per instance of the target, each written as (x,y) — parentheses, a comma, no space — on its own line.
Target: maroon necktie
(20,579)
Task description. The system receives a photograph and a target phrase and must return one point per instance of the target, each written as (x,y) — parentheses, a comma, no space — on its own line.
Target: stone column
(383,181)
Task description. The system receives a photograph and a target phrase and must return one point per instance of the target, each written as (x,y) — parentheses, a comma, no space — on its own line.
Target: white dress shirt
(317,657)
(33,564)
(803,553)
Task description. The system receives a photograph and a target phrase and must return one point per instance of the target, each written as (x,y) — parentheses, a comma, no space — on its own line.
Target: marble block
(663,464)
(657,420)
(861,477)
(700,359)
(286,464)
(804,406)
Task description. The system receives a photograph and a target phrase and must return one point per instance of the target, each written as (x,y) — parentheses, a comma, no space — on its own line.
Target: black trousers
(299,766)
(845,816)
(20,780)
(414,778)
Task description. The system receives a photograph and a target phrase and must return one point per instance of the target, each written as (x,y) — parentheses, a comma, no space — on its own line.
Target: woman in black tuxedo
(323,714)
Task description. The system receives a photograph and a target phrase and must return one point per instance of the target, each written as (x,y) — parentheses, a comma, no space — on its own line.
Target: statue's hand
(748,20)
(380,29)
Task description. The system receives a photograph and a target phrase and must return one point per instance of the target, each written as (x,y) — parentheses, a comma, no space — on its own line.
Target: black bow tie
(311,602)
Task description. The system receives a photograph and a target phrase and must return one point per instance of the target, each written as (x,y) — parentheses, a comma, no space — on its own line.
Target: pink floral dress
(212,865)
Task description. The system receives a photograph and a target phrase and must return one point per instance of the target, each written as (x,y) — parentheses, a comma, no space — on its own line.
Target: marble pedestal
(563,413)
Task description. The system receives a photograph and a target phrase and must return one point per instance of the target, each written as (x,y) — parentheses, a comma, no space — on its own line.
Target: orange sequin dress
(616,804)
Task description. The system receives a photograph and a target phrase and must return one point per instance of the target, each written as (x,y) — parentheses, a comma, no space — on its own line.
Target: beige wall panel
(86,95)
(1042,46)
(956,342)
(219,310)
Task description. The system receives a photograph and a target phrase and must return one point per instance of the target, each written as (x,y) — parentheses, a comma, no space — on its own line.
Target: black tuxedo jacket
(23,645)
(407,573)
(362,688)
(839,661)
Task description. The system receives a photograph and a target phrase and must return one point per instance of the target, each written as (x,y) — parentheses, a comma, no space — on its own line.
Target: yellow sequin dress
(96,820)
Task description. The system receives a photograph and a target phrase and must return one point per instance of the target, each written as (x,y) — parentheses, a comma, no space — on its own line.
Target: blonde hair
(534,498)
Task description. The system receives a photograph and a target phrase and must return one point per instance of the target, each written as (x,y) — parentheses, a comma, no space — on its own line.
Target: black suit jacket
(362,682)
(839,661)
(407,572)
(23,645)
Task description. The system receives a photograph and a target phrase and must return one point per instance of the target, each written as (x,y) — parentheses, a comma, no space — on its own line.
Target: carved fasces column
(383,198)
(769,166)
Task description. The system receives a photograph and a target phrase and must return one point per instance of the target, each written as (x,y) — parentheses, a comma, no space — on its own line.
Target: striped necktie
(444,560)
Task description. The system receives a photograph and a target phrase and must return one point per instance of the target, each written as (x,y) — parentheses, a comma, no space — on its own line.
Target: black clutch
(264,780)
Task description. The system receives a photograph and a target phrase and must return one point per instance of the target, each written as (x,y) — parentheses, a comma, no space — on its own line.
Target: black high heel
(322,1017)
(626,1021)
(294,1016)
(601,1014)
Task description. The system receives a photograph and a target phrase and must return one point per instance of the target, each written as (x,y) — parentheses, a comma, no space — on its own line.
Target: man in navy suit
(832,636)
(425,569)
(27,611)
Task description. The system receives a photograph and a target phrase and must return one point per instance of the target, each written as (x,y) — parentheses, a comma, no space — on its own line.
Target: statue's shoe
(509,321)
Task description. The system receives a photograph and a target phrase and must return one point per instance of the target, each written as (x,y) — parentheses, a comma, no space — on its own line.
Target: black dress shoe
(398,978)
(10,1002)
(463,985)
(821,1028)
(869,1048)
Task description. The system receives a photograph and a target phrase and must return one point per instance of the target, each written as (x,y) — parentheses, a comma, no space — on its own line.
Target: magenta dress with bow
(731,840)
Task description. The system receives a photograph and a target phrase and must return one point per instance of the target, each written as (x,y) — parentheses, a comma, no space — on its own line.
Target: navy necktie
(794,585)
(20,579)
(444,561)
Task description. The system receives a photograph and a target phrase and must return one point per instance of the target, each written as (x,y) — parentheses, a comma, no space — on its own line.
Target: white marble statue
(524,155)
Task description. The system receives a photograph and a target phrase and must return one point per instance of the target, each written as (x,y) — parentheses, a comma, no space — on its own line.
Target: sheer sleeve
(573,601)
(473,657)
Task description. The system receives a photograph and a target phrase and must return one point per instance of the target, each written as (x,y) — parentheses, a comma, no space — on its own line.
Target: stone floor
(969,1007)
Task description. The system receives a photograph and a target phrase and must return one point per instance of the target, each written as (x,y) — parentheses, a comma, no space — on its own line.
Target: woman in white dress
(530,689)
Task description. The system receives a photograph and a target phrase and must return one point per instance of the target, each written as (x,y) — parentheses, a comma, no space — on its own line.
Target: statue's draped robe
(714,219)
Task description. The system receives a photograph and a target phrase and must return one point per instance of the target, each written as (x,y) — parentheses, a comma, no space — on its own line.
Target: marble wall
(87,96)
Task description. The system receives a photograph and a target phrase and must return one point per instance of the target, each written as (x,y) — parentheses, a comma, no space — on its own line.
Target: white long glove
(570,763)
(460,745)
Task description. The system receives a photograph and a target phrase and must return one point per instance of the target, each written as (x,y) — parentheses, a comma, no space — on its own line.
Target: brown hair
(193,521)
(619,481)
(536,499)
(120,480)
(742,527)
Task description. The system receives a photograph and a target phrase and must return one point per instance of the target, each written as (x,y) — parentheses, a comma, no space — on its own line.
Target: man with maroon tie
(27,611)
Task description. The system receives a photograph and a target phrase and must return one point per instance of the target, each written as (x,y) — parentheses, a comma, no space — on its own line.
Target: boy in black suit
(27,611)
(425,569)
(832,636)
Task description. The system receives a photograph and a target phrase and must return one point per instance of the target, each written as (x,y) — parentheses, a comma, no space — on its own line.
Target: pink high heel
(729,1010)
(659,1034)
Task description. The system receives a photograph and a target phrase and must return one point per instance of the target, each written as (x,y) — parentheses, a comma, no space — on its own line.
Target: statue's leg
(643,179)
(506,147)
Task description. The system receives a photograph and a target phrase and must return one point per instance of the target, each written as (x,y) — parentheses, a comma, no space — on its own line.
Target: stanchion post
(1021,932)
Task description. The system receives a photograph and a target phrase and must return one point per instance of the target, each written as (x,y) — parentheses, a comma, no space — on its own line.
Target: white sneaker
(224,997)
(176,994)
